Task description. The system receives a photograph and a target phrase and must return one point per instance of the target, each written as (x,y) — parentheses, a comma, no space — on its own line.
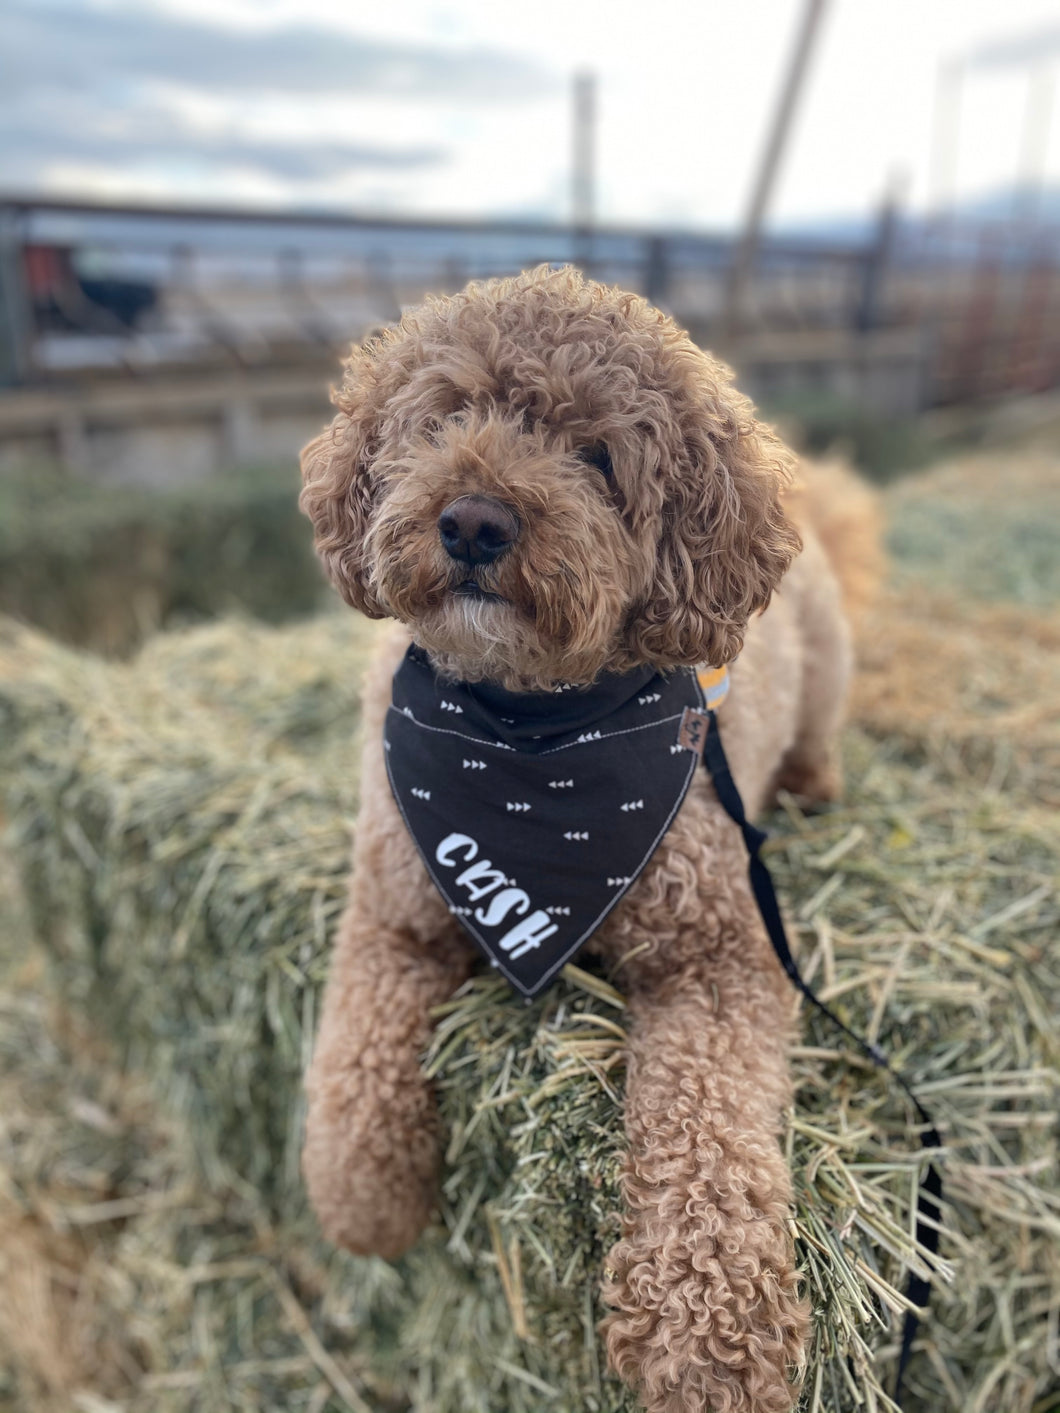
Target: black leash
(929,1196)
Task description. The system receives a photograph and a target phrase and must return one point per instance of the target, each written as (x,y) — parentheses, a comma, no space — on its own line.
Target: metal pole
(583,166)
(744,259)
(869,314)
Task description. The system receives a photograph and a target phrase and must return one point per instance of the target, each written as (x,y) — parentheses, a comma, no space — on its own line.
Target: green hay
(985,526)
(180,826)
(126,1286)
(103,566)
(184,864)
(882,447)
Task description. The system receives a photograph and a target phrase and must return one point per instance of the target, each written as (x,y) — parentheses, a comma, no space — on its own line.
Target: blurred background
(202,203)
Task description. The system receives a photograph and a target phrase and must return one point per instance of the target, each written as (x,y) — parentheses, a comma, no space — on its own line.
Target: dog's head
(545,479)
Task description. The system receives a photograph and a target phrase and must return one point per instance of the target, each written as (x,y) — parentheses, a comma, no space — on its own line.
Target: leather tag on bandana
(692,733)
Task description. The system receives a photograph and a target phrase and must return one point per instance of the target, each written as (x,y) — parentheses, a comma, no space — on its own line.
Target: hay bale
(180,827)
(184,860)
(126,1284)
(102,566)
(180,824)
(984,526)
(980,682)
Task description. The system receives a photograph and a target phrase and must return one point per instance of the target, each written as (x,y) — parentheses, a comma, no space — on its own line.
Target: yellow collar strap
(715,684)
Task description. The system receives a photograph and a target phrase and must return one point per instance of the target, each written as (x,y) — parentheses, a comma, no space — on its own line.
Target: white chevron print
(442,763)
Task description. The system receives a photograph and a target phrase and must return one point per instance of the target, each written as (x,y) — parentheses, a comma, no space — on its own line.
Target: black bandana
(535,812)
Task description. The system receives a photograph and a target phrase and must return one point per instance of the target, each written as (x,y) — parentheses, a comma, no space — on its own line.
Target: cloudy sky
(463,106)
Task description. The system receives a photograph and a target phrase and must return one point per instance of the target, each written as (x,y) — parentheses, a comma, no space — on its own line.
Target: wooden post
(747,249)
(16,312)
(656,269)
(870,305)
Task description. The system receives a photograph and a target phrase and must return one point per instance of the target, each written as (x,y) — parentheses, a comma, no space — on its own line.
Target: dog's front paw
(371,1198)
(814,781)
(717,1326)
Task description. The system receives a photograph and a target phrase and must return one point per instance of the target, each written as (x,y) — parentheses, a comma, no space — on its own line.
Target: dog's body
(667,558)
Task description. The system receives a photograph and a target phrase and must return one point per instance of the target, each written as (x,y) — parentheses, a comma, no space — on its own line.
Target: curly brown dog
(646,518)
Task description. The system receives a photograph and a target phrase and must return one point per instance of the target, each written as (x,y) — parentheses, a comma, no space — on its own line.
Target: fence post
(656,270)
(583,169)
(746,250)
(877,261)
(16,314)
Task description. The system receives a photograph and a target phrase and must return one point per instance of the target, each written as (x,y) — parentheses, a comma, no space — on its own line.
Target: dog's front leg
(371,1149)
(706,1310)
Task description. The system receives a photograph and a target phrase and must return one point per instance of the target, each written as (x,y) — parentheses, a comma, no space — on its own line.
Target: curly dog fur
(672,555)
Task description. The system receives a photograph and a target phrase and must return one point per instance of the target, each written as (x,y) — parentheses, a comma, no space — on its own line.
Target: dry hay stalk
(126,1285)
(981,680)
(180,825)
(180,835)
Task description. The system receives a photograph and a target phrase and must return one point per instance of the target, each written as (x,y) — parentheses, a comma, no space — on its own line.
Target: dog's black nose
(477,529)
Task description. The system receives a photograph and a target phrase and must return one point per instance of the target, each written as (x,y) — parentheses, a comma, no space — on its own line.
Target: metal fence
(125,290)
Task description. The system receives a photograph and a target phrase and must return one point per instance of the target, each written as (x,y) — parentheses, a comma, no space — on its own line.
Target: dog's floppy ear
(337,486)
(725,541)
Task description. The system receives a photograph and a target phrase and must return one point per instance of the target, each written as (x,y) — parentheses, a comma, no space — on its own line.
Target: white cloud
(686,89)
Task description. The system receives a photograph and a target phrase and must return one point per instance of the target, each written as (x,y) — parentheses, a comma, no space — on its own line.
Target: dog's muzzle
(477,529)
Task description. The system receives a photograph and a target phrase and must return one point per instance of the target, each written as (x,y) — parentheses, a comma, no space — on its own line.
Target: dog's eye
(598,455)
